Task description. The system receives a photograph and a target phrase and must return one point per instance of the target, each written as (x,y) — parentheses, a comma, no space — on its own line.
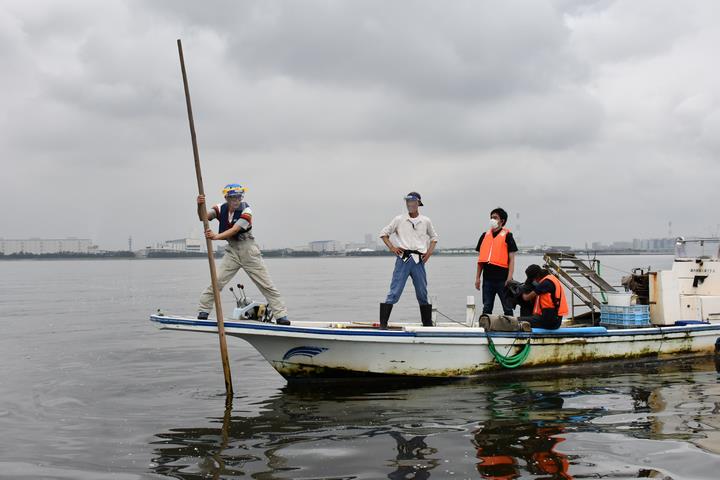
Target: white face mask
(494,223)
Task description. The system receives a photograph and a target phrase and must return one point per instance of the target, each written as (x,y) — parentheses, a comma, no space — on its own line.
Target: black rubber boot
(203,315)
(282,321)
(426,315)
(385,309)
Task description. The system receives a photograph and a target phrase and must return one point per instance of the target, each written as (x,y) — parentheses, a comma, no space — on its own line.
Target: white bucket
(619,299)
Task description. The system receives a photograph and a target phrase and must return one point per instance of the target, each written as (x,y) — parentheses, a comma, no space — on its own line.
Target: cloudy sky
(594,120)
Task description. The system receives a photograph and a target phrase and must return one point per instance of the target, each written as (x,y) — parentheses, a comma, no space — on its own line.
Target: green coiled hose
(509,361)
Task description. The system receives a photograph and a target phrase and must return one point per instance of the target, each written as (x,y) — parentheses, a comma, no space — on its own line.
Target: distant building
(654,244)
(599,246)
(545,248)
(181,247)
(558,248)
(185,245)
(638,244)
(370,244)
(326,246)
(40,246)
(621,245)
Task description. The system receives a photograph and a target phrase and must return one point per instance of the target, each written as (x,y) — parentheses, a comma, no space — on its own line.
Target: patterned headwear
(234,190)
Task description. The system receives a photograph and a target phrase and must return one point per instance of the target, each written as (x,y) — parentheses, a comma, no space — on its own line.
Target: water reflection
(530,447)
(412,458)
(497,430)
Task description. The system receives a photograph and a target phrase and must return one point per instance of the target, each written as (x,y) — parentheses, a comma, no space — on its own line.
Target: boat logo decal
(303,351)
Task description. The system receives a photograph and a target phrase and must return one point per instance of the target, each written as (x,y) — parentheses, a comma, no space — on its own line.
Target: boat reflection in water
(619,425)
(534,447)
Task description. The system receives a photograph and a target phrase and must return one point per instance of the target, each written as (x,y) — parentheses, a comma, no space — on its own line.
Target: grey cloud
(420,49)
(582,108)
(627,30)
(444,78)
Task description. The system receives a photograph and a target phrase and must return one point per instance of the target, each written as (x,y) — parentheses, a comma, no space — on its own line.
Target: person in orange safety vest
(496,262)
(549,296)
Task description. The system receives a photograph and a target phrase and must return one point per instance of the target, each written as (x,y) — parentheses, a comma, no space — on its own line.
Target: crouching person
(235,218)
(549,297)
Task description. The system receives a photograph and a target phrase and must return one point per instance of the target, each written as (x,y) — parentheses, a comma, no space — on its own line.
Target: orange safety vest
(546,300)
(497,467)
(494,250)
(552,463)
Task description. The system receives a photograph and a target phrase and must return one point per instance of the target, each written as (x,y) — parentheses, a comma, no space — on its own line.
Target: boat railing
(587,312)
(582,305)
(694,248)
(582,278)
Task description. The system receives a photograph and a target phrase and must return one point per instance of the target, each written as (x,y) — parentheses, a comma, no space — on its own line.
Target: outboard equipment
(249,310)
(639,284)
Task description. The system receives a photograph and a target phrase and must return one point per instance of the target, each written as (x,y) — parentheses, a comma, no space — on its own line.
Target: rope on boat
(509,361)
(452,320)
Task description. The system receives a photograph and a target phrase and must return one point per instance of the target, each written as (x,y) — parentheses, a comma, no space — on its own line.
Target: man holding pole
(235,218)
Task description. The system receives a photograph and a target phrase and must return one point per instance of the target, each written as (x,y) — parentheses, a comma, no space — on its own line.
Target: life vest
(547,300)
(497,467)
(494,250)
(226,223)
(552,463)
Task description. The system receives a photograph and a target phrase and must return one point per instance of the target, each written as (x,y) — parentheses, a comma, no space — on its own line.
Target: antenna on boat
(206,225)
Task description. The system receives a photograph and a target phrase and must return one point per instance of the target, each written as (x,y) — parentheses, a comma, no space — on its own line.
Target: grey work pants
(245,254)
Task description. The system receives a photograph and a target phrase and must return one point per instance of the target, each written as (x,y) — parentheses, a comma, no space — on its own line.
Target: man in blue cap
(412,238)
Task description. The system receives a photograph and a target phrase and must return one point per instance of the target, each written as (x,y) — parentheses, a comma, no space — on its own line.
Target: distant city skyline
(38,245)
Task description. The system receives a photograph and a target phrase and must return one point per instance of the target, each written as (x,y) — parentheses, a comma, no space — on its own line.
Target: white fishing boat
(684,314)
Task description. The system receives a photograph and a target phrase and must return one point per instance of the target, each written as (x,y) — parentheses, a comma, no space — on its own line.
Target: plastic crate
(625,316)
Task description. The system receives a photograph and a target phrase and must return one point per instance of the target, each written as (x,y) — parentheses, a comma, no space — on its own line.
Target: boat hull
(314,351)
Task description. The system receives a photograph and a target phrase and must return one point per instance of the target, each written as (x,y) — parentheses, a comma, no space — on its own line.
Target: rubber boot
(426,315)
(385,309)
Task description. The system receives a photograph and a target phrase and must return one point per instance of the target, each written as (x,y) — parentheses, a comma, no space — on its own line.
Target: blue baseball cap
(414,196)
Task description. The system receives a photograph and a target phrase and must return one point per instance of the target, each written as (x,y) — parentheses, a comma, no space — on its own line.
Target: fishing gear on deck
(249,310)
(503,323)
(514,292)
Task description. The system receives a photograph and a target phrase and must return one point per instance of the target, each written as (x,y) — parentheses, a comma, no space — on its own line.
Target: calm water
(89,389)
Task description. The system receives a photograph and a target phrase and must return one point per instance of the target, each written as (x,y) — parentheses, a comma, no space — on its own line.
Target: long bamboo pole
(206,225)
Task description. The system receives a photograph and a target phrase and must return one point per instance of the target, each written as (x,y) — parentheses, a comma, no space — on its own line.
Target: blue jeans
(489,289)
(403,270)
